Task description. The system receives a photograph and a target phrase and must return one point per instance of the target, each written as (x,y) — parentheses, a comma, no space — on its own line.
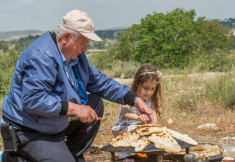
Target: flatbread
(140,144)
(206,150)
(147,130)
(124,139)
(182,137)
(140,136)
(148,125)
(165,142)
(134,127)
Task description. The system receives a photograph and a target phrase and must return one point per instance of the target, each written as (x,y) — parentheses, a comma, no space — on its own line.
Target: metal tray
(215,156)
(148,149)
(192,155)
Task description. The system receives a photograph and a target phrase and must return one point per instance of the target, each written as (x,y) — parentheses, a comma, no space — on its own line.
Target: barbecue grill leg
(188,150)
(113,157)
(160,158)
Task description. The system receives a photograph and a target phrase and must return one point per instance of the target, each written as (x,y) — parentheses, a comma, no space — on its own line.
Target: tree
(171,40)
(4,46)
(7,65)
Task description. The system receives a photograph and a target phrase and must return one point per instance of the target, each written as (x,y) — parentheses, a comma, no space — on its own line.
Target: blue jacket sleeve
(39,77)
(106,87)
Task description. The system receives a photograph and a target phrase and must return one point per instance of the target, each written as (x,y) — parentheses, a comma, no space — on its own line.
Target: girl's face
(146,90)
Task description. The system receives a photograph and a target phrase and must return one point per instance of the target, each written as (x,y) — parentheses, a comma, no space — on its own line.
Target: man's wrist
(130,98)
(64,107)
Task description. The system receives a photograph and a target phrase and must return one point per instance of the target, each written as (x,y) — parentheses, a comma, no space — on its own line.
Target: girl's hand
(144,109)
(144,118)
(159,74)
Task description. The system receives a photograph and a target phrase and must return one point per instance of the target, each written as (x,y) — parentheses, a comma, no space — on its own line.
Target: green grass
(222,90)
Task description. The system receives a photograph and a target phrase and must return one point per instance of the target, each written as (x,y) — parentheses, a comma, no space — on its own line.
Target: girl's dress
(123,124)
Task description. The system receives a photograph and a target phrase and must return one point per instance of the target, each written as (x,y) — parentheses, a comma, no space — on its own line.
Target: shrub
(218,62)
(113,68)
(101,61)
(7,66)
(172,39)
(222,90)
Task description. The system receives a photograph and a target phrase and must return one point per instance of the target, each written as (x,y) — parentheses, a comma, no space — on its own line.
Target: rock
(170,121)
(229,151)
(183,114)
(228,138)
(208,126)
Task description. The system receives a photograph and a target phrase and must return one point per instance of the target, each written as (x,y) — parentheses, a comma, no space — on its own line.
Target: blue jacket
(39,84)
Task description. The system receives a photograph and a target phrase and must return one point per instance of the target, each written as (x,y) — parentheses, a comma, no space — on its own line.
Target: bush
(223,90)
(122,69)
(101,61)
(7,65)
(105,62)
(217,62)
(172,39)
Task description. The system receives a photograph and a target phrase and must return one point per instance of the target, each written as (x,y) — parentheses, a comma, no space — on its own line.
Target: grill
(151,154)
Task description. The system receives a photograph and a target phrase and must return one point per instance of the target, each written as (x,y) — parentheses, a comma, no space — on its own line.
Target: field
(187,107)
(195,95)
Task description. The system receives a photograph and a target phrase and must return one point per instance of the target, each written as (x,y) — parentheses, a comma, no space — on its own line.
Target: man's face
(75,47)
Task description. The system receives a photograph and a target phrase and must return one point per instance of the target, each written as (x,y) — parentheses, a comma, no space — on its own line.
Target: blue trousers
(67,146)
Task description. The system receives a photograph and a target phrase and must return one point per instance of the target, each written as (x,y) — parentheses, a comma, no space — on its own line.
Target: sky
(45,15)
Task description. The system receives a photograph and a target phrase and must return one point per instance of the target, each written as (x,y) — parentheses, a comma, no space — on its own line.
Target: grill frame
(147,149)
(160,154)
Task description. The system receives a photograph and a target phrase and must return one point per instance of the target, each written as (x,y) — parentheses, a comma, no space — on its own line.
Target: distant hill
(15,35)
(18,34)
(109,33)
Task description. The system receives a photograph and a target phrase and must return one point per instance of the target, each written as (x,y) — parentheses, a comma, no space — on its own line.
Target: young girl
(147,86)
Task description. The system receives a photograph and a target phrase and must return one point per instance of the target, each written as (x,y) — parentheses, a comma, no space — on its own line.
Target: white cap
(80,22)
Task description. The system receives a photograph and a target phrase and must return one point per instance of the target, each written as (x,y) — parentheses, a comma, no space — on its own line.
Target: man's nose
(85,48)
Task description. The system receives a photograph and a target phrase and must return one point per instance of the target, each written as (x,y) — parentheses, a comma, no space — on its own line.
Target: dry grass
(186,105)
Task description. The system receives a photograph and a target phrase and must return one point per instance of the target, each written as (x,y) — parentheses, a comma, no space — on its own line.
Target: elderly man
(50,84)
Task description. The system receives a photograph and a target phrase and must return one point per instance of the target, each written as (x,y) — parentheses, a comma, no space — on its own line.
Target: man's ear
(66,36)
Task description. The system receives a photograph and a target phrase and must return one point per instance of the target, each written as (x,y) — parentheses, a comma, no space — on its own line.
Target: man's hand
(144,109)
(85,113)
(144,118)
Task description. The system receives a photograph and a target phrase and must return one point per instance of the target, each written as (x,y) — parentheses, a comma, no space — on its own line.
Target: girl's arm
(128,114)
(155,114)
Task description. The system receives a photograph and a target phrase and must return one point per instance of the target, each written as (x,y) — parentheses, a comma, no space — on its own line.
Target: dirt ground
(94,155)
(183,121)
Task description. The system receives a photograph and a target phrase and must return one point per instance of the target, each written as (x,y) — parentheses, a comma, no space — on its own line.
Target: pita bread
(165,142)
(133,127)
(182,137)
(124,139)
(204,150)
(140,144)
(148,125)
(162,138)
(147,130)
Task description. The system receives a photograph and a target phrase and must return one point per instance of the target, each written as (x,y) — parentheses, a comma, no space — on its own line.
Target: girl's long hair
(141,76)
